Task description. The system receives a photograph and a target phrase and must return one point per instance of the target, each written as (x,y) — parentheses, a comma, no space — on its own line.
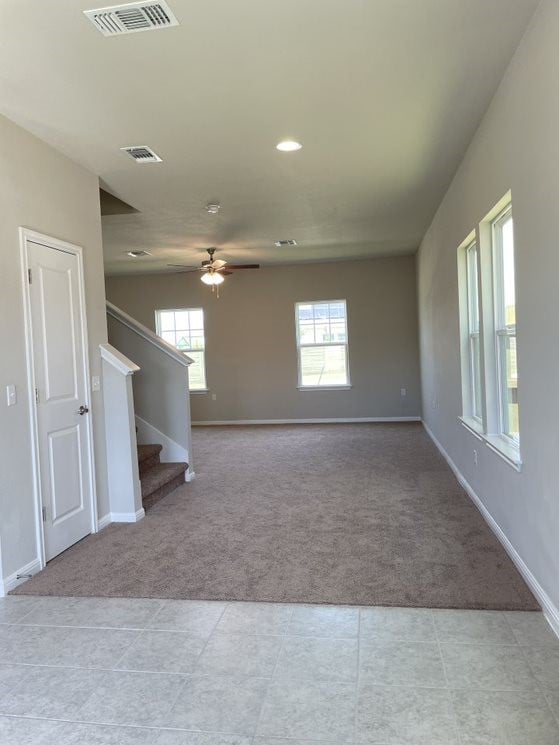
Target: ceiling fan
(213,270)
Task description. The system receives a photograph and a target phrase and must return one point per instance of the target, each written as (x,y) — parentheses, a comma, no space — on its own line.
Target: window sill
(200,390)
(473,426)
(324,387)
(509,453)
(495,443)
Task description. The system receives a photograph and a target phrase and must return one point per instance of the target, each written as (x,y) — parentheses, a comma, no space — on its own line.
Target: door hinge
(44,513)
(36,395)
(29,276)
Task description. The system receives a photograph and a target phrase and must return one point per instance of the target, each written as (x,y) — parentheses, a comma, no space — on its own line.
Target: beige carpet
(359,514)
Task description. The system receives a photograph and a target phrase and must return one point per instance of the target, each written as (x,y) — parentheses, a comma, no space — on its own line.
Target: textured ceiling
(384,95)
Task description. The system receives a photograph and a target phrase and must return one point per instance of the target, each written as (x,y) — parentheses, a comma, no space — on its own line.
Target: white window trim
(500,330)
(158,331)
(489,429)
(473,334)
(343,386)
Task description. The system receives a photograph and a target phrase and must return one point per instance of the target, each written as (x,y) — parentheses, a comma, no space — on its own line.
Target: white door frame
(25,236)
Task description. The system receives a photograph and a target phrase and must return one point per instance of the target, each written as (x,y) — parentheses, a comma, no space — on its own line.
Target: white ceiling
(384,95)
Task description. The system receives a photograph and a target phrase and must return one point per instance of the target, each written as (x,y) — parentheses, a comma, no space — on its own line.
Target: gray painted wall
(516,147)
(42,190)
(250,337)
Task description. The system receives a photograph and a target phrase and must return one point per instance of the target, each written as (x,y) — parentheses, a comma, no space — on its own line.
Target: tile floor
(106,671)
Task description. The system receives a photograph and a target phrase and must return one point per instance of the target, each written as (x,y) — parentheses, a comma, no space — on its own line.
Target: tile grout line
(448,689)
(272,678)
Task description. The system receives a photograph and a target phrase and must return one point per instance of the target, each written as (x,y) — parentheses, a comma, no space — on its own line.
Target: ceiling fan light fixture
(288,146)
(212,278)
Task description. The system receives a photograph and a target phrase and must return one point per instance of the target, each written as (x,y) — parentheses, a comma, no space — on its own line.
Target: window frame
(473,332)
(501,330)
(186,352)
(300,385)
(493,329)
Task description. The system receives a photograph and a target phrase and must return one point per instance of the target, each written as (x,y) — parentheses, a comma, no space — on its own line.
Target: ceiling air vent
(132,17)
(142,154)
(286,242)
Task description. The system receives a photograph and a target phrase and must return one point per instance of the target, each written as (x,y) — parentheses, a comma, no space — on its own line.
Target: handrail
(148,335)
(118,360)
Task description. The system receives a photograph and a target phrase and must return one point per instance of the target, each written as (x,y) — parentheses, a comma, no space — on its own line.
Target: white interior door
(60,370)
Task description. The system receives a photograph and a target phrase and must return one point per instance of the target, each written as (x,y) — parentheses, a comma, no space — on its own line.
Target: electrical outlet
(403,392)
(95,383)
(214,397)
(475,457)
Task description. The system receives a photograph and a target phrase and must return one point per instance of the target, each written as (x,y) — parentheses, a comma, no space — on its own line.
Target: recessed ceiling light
(288,146)
(213,208)
(137,254)
(286,242)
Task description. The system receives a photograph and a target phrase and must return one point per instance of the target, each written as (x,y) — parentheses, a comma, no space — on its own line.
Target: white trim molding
(119,361)
(346,420)
(127,517)
(102,522)
(148,335)
(7,584)
(550,610)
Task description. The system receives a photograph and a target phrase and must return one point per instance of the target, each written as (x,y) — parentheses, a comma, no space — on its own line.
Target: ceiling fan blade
(243,266)
(224,272)
(218,263)
(183,266)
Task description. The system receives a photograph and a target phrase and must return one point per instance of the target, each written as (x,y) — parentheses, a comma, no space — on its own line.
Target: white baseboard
(550,610)
(102,522)
(148,434)
(345,420)
(127,517)
(7,584)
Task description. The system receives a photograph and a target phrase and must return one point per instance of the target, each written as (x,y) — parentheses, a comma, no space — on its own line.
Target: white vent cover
(127,19)
(286,242)
(141,154)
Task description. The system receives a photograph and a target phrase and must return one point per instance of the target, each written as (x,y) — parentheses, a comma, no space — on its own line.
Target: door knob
(82,410)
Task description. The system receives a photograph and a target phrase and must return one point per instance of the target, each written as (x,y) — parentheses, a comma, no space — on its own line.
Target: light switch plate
(95,383)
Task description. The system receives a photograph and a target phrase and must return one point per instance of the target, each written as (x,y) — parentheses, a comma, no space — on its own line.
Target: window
(322,344)
(184,329)
(505,324)
(474,342)
(488,333)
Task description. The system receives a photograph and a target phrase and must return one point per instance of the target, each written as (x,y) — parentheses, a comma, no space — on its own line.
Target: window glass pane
(322,332)
(197,371)
(183,342)
(475,373)
(508,272)
(323,365)
(473,306)
(306,333)
(169,336)
(181,320)
(166,320)
(320,310)
(509,384)
(196,340)
(305,312)
(338,331)
(337,310)
(197,319)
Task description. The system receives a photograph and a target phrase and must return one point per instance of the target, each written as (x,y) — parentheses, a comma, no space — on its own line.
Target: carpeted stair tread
(160,475)
(148,451)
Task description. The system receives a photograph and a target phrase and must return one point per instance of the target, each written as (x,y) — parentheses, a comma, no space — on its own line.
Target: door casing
(26,235)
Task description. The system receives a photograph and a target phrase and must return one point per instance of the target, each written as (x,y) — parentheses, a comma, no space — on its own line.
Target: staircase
(157,479)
